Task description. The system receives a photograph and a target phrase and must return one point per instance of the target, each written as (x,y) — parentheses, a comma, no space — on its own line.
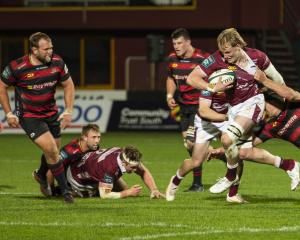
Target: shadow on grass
(256,199)
(3,187)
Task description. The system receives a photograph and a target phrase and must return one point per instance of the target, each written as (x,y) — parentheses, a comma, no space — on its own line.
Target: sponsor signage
(141,115)
(89,106)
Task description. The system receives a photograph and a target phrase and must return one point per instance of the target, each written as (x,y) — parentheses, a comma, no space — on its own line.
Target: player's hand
(171,103)
(260,76)
(135,190)
(155,193)
(65,119)
(12,120)
(221,87)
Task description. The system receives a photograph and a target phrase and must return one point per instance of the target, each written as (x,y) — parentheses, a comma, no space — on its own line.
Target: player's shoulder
(254,52)
(57,58)
(201,53)
(19,63)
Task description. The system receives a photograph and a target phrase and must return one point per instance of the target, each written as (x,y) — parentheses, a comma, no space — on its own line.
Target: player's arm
(273,74)
(282,90)
(148,179)
(1,126)
(69,92)
(196,79)
(12,119)
(206,112)
(105,191)
(171,89)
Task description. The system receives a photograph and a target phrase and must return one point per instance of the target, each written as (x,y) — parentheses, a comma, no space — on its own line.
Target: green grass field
(273,211)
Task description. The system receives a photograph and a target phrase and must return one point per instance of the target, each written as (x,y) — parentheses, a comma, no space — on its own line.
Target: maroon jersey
(179,69)
(35,85)
(219,101)
(285,126)
(98,166)
(245,84)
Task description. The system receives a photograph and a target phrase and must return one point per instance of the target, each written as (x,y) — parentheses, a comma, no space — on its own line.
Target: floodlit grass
(273,211)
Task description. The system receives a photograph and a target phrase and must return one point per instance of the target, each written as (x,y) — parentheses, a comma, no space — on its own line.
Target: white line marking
(107,225)
(213,231)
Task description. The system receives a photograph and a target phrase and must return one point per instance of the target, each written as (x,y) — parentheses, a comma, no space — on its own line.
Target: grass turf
(272,211)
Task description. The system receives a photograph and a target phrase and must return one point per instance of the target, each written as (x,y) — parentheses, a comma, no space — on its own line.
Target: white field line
(213,231)
(107,225)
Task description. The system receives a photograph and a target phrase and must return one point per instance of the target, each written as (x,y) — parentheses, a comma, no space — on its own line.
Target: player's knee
(232,134)
(232,152)
(52,154)
(244,153)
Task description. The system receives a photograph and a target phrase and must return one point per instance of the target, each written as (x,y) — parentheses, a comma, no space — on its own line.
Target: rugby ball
(225,75)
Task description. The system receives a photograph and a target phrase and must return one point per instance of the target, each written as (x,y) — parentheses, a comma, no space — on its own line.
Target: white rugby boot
(235,199)
(222,184)
(294,175)
(171,190)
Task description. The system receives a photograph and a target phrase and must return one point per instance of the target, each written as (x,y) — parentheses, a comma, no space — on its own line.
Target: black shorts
(187,116)
(35,127)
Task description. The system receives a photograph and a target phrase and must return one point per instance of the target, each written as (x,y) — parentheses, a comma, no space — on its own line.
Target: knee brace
(234,132)
(232,152)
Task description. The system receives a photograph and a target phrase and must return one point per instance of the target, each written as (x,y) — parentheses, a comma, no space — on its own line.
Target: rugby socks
(42,171)
(231,171)
(287,164)
(57,170)
(233,190)
(177,178)
(197,173)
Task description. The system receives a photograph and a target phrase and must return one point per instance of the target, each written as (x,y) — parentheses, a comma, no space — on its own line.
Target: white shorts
(206,131)
(253,108)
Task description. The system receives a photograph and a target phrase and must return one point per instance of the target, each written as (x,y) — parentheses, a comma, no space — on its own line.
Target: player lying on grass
(70,153)
(99,173)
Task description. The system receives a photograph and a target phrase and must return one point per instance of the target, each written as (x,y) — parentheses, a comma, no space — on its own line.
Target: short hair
(132,153)
(231,36)
(180,32)
(36,37)
(87,128)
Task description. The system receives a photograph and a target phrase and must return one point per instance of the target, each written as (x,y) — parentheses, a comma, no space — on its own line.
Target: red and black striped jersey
(286,126)
(71,153)
(179,69)
(35,85)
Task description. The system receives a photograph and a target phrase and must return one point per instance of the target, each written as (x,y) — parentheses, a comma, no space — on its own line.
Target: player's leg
(198,156)
(39,132)
(187,114)
(290,166)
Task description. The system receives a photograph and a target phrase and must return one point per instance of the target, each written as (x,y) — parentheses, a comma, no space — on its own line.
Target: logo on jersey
(63,154)
(107,178)
(274,124)
(174,65)
(6,73)
(232,68)
(32,135)
(29,75)
(208,61)
(205,93)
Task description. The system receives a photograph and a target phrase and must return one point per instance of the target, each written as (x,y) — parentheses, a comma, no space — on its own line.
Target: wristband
(169,96)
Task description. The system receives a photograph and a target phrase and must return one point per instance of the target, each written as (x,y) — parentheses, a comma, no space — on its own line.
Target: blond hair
(231,36)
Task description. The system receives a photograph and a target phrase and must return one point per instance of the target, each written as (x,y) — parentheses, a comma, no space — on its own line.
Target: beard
(44,59)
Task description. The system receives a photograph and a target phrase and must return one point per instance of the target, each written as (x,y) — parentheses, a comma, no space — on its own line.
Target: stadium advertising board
(89,106)
(141,115)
